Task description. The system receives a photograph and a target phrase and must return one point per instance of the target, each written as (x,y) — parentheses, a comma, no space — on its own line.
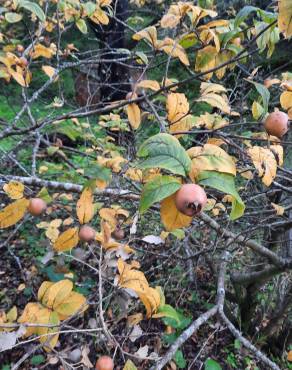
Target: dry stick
(256,247)
(184,337)
(186,334)
(67,186)
(247,343)
(26,356)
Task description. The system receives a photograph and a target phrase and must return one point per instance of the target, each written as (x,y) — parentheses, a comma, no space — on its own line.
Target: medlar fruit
(86,233)
(36,206)
(118,233)
(190,199)
(276,124)
(104,363)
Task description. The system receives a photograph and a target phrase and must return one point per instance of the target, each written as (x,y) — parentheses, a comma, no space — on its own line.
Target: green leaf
(44,194)
(142,56)
(13,17)
(34,8)
(81,25)
(225,183)
(37,360)
(179,359)
(264,93)
(164,151)
(89,8)
(172,317)
(96,171)
(157,189)
(237,344)
(212,365)
(129,365)
(243,14)
(178,233)
(168,311)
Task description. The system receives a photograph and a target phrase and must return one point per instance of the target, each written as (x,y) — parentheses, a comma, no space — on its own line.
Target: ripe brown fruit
(190,199)
(20,48)
(131,95)
(23,61)
(36,206)
(118,234)
(276,124)
(104,363)
(86,233)
(236,41)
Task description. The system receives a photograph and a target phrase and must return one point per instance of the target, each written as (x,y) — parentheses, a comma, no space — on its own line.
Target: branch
(247,343)
(67,186)
(256,247)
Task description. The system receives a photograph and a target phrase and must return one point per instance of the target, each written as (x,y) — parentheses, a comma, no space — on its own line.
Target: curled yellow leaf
(67,240)
(13,213)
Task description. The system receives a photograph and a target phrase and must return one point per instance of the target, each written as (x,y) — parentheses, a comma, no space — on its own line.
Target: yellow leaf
(151,301)
(211,121)
(257,110)
(205,60)
(14,189)
(149,84)
(56,293)
(43,289)
(109,215)
(134,319)
(73,303)
(286,100)
(289,356)
(12,314)
(40,50)
(130,278)
(247,174)
(101,184)
(222,57)
(134,115)
(50,71)
(30,315)
(171,218)
(134,174)
(210,158)
(99,16)
(177,106)
(13,213)
(18,76)
(265,163)
(48,317)
(278,152)
(215,141)
(216,101)
(174,49)
(67,240)
(285,17)
(208,87)
(170,21)
(279,209)
(112,163)
(85,207)
(217,23)
(148,33)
